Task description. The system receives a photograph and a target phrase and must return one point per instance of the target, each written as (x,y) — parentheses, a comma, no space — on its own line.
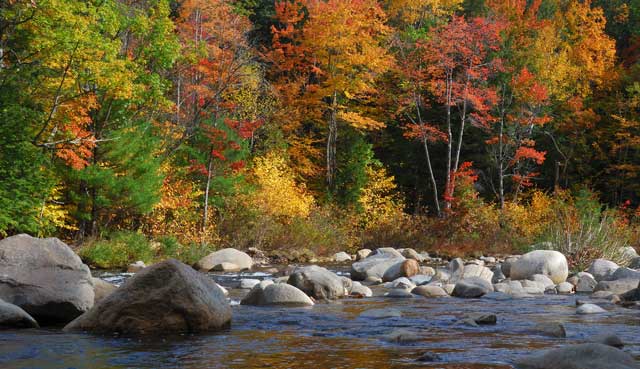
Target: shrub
(118,250)
(582,230)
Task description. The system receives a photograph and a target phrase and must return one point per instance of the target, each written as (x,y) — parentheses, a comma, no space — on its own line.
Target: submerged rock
(45,278)
(583,356)
(590,309)
(239,259)
(547,262)
(381,313)
(163,298)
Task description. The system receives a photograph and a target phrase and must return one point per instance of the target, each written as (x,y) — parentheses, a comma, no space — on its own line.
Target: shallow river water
(332,336)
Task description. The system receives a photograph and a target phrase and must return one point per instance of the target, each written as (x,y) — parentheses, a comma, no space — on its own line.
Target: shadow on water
(332,335)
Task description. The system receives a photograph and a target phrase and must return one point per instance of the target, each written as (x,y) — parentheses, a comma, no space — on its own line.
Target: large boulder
(11,316)
(583,356)
(268,293)
(547,262)
(601,269)
(167,297)
(317,282)
(375,265)
(473,287)
(216,259)
(405,268)
(45,278)
(102,289)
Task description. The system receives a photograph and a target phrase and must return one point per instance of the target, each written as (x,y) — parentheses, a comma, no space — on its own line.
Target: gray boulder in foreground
(223,259)
(583,356)
(11,316)
(167,297)
(45,278)
(547,262)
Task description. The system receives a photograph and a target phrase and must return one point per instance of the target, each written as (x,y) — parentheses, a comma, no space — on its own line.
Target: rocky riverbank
(172,297)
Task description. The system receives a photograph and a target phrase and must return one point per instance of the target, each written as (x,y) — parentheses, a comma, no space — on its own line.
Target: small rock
(226,267)
(430,291)
(405,268)
(427,270)
(136,267)
(318,282)
(625,273)
(484,319)
(635,263)
(601,295)
(629,252)
(401,283)
(371,280)
(399,293)
(247,284)
(362,254)
(101,289)
(341,257)
(276,294)
(564,288)
(617,287)
(412,254)
(586,283)
(402,336)
(358,290)
(556,330)
(240,259)
(420,279)
(601,269)
(448,288)
(472,288)
(589,309)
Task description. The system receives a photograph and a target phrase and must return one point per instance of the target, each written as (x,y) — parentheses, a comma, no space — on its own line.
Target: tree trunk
(332,140)
(205,215)
(448,184)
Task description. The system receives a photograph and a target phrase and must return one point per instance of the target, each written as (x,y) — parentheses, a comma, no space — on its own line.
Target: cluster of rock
(42,281)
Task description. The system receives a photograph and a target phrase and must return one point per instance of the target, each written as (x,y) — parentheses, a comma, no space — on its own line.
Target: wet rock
(547,262)
(341,257)
(347,283)
(585,309)
(586,283)
(362,254)
(358,290)
(163,298)
(405,268)
(448,288)
(484,318)
(412,254)
(430,291)
(101,289)
(468,322)
(583,356)
(371,281)
(232,256)
(609,340)
(317,282)
(11,316)
(601,269)
(556,330)
(601,295)
(276,294)
(543,281)
(564,288)
(617,287)
(45,278)
(247,283)
(381,313)
(375,265)
(472,288)
(136,267)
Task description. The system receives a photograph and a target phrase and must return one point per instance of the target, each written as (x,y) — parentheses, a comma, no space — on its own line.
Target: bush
(582,230)
(118,250)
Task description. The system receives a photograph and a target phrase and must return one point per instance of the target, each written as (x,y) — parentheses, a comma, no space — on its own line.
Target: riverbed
(334,335)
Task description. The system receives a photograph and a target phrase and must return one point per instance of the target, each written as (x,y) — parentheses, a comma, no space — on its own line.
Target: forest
(146,129)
